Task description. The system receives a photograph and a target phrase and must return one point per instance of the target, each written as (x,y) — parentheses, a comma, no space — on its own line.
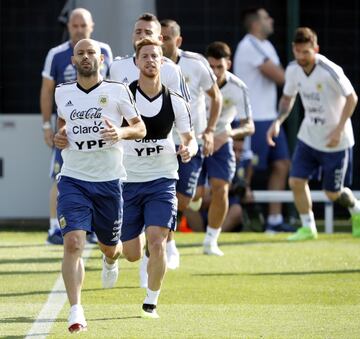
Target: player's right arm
(46,107)
(60,138)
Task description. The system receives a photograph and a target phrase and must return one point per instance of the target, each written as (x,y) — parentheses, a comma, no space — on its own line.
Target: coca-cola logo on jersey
(91,113)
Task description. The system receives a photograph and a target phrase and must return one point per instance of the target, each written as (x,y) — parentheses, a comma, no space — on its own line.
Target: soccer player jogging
(58,68)
(201,81)
(90,113)
(219,168)
(125,70)
(151,164)
(325,138)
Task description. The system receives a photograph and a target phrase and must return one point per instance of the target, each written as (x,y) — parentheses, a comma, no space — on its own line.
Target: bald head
(80,25)
(85,44)
(87,58)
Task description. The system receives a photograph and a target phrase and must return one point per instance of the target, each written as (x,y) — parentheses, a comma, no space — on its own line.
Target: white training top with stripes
(249,55)
(88,157)
(236,103)
(323,94)
(199,78)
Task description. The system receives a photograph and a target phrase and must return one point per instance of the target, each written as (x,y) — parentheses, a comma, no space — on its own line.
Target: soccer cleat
(92,238)
(283,227)
(143,272)
(76,320)
(149,312)
(55,239)
(109,277)
(303,233)
(173,259)
(212,248)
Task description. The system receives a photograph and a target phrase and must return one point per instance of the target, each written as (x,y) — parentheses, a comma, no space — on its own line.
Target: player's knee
(73,243)
(281,166)
(183,202)
(156,247)
(296,183)
(345,198)
(131,255)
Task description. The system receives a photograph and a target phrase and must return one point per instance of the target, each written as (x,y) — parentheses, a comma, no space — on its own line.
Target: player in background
(257,63)
(58,69)
(219,168)
(325,138)
(201,81)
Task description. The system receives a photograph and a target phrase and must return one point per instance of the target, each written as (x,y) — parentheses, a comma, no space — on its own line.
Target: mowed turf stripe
(55,302)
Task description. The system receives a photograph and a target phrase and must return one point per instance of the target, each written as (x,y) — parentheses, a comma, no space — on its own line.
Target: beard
(87,72)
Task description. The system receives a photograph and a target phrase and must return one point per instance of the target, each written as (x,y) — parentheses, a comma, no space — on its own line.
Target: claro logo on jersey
(91,127)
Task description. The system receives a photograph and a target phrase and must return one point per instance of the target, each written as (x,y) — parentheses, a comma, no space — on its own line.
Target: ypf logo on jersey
(103,100)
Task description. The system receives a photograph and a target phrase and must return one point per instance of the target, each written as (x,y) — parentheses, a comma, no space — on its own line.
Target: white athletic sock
(275,219)
(110,266)
(151,297)
(76,307)
(212,234)
(308,220)
(356,208)
(54,225)
(171,246)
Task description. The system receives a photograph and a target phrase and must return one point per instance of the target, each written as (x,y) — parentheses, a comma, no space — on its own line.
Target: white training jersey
(323,94)
(126,71)
(88,157)
(200,78)
(249,55)
(236,103)
(155,157)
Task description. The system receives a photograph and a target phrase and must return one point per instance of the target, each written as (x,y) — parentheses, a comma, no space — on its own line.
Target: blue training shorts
(151,203)
(189,174)
(91,207)
(263,153)
(335,167)
(220,165)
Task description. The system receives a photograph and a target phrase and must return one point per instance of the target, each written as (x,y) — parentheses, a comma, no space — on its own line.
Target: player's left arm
(347,112)
(135,130)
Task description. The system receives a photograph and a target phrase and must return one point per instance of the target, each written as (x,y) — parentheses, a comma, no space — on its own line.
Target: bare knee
(131,254)
(73,243)
(297,184)
(156,248)
(183,202)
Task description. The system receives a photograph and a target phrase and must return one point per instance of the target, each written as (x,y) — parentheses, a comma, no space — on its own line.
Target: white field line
(55,302)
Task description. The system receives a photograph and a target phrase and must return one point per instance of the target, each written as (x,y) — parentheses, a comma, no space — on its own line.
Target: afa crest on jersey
(319,87)
(103,100)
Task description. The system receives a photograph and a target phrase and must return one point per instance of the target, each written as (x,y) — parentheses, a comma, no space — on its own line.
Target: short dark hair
(218,50)
(250,15)
(147,17)
(172,24)
(146,42)
(305,35)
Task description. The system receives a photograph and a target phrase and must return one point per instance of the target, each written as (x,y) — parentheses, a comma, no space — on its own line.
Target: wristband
(46,125)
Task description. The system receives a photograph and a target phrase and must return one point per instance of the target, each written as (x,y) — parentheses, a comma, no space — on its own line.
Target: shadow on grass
(22,245)
(22,272)
(277,273)
(45,292)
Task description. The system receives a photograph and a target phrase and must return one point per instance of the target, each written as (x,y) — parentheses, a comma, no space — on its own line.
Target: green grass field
(263,287)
